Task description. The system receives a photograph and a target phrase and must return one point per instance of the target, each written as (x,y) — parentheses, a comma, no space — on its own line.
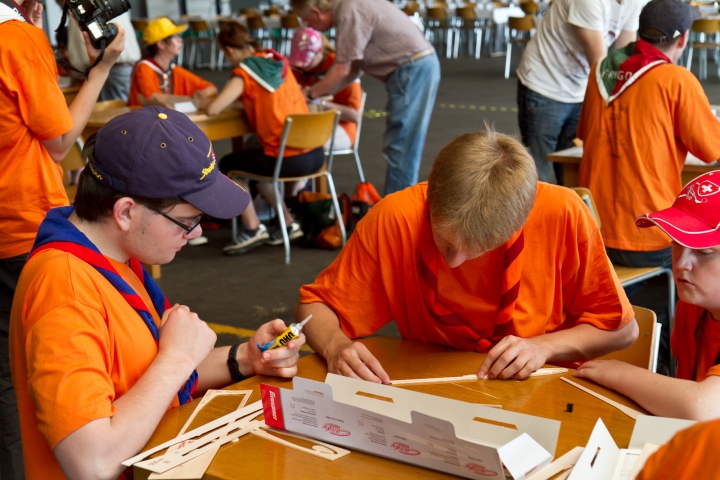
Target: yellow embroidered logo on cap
(94,172)
(211,167)
(162,116)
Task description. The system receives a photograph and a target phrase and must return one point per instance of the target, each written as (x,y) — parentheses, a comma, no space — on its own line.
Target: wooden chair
(438,21)
(109,105)
(139,25)
(288,24)
(629,275)
(703,28)
(468,21)
(644,352)
(203,35)
(521,30)
(530,7)
(257,28)
(306,131)
(356,146)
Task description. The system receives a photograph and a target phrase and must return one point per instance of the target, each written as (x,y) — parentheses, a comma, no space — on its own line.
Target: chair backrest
(199,25)
(289,21)
(255,22)
(309,130)
(521,24)
(466,13)
(529,7)
(437,13)
(642,352)
(706,25)
(252,11)
(588,200)
(225,22)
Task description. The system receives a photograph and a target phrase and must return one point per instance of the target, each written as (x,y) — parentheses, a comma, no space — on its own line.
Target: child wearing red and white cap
(311,56)
(693,223)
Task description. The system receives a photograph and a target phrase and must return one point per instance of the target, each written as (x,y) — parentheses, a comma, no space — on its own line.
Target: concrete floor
(237,294)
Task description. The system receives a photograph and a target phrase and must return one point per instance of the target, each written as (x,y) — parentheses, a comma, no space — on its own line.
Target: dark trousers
(255,161)
(11,458)
(546,126)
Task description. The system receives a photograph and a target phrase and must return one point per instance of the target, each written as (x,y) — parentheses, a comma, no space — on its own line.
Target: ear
(124,210)
(683,40)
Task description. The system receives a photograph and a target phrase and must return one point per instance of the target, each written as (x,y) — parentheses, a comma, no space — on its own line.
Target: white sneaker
(194,242)
(247,242)
(294,231)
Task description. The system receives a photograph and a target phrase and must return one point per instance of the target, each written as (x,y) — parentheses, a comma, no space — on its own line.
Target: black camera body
(93,16)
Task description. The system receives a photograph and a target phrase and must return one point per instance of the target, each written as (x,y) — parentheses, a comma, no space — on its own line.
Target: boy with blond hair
(481,257)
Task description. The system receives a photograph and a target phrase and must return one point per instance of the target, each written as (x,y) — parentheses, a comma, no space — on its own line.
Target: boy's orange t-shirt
(695,342)
(566,277)
(146,81)
(350,96)
(690,454)
(266,111)
(76,346)
(32,109)
(635,149)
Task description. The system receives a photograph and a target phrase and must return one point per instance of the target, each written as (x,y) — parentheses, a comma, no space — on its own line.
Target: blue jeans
(546,126)
(117,85)
(411,88)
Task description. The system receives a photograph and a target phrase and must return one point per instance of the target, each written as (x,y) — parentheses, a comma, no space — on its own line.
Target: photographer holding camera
(38,131)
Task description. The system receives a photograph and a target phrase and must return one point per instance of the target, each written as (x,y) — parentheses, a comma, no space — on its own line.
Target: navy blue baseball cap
(157,152)
(662,21)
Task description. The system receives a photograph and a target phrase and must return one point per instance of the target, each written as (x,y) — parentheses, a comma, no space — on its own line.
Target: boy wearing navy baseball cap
(97,352)
(693,224)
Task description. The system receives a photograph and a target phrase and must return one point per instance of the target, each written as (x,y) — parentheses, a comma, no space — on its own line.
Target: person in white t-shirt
(554,69)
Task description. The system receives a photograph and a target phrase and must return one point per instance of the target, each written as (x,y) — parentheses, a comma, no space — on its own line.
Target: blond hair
(304,6)
(481,189)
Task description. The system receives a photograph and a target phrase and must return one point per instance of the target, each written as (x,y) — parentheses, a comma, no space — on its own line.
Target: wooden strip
(563,463)
(626,410)
(464,378)
(195,468)
(166,462)
(320,449)
(230,417)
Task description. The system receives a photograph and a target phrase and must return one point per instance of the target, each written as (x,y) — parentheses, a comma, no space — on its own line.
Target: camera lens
(116,7)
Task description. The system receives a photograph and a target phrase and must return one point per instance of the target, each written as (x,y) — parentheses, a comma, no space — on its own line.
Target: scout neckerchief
(269,69)
(447,320)
(623,67)
(57,233)
(9,10)
(165,76)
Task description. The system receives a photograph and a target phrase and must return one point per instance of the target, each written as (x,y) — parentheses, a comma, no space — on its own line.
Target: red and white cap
(693,221)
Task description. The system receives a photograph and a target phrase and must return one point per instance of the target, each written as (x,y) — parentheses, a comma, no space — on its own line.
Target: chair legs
(281,218)
(338,212)
(359,167)
(507,60)
(478,43)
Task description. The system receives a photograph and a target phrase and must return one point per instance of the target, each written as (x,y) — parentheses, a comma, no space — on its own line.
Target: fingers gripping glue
(291,333)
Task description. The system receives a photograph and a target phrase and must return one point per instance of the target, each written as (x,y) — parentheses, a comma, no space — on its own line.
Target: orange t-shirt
(350,96)
(266,111)
(32,109)
(76,346)
(146,81)
(566,279)
(635,149)
(695,342)
(689,455)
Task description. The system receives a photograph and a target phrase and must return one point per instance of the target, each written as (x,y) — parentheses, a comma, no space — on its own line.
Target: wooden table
(571,157)
(228,124)
(252,457)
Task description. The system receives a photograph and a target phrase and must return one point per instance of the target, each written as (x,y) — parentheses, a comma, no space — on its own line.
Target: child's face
(697,275)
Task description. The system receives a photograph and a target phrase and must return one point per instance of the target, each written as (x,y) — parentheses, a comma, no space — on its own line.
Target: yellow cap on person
(160,29)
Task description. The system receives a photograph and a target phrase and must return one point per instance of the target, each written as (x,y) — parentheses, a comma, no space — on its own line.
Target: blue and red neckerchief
(57,233)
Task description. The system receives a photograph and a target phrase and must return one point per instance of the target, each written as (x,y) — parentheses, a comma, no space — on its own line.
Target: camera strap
(61,28)
(17,9)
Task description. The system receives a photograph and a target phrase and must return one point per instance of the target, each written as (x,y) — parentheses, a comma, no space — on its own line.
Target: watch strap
(233,364)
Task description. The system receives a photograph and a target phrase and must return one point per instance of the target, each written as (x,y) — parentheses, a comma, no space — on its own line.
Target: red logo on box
(272,408)
(333,429)
(404,449)
(480,470)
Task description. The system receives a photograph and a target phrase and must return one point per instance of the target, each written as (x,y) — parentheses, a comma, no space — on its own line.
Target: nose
(682,258)
(196,232)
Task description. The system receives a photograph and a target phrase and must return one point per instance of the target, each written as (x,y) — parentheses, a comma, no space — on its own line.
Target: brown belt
(423,53)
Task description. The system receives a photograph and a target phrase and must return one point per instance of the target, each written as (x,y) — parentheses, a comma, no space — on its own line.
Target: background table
(570,158)
(252,457)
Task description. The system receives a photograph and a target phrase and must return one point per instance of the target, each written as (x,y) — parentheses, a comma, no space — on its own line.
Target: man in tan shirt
(375,37)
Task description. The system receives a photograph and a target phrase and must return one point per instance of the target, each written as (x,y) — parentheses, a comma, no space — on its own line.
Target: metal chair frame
(356,146)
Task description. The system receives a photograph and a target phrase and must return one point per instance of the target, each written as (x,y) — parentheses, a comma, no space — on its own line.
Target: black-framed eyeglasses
(187,225)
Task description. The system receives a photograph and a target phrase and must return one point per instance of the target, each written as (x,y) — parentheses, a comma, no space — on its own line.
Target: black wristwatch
(233,364)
